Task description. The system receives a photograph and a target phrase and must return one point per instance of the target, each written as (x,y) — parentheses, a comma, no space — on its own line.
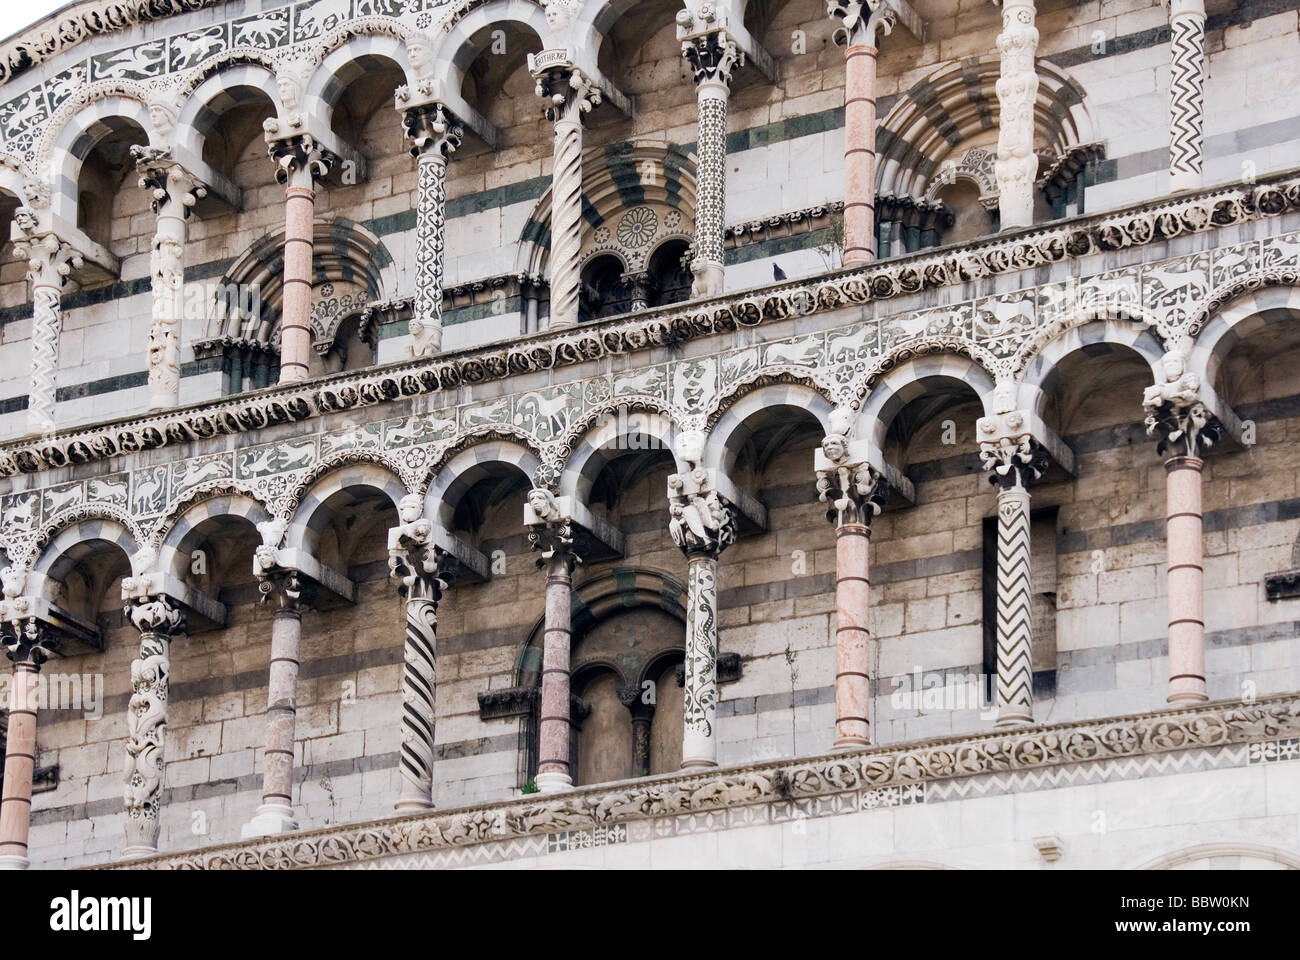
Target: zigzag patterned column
(435,134)
(49,263)
(424,572)
(570,95)
(1014,459)
(1017,89)
(855,493)
(300,162)
(1183,427)
(713,57)
(552,533)
(702,525)
(28,644)
(1186,93)
(158,620)
(862,19)
(173,193)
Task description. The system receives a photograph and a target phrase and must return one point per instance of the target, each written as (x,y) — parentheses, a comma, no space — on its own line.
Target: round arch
(76,541)
(1234,322)
(313,514)
(477,462)
(654,430)
(1042,374)
(174,555)
(78,137)
(351,59)
(755,409)
(225,87)
(913,379)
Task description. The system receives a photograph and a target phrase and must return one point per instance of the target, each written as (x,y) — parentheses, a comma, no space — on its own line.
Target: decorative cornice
(1023,749)
(1013,251)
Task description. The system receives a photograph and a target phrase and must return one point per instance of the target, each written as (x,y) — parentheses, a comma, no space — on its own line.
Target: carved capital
(1175,415)
(712,56)
(26,638)
(166,180)
(284,587)
(158,614)
(853,490)
(862,21)
(568,92)
(50,261)
(701,520)
(551,530)
(299,154)
(1008,451)
(433,129)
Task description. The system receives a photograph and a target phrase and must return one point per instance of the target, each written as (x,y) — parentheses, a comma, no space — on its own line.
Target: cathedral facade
(763,433)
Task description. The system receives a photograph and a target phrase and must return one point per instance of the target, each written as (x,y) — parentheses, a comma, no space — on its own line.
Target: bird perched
(777,272)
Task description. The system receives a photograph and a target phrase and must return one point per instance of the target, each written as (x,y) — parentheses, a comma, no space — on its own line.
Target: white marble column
(158,619)
(702,525)
(1017,88)
(435,134)
(172,194)
(49,263)
(569,95)
(1186,93)
(423,572)
(713,57)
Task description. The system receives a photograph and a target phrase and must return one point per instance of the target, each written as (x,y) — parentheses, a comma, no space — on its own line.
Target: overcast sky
(17,14)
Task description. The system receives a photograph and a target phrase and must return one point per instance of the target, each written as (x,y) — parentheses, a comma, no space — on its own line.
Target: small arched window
(670,277)
(602,292)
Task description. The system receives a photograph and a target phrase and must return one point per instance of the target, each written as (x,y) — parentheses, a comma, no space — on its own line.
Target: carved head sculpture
(144,560)
(273,531)
(163,111)
(1004,396)
(15,581)
(420,53)
(836,447)
(25,220)
(291,83)
(840,421)
(410,508)
(689,447)
(543,504)
(559,14)
(1173,363)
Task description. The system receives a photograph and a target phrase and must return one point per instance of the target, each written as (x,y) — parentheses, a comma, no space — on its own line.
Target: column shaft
(711,200)
(699,722)
(275,815)
(419,683)
(553,773)
(566,221)
(1186,93)
(295,315)
(20,764)
(1017,89)
(859,154)
(168,286)
(146,730)
(852,640)
(47,321)
(429,243)
(1014,609)
(1186,580)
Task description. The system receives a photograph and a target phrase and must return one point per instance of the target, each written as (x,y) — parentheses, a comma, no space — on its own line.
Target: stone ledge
(945,759)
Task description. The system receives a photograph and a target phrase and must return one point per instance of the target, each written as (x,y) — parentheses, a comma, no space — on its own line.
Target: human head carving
(690,447)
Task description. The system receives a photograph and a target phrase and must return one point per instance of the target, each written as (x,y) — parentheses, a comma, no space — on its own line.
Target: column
(283,587)
(1017,88)
(1183,428)
(1014,459)
(861,19)
(28,644)
(424,573)
(49,263)
(300,162)
(570,95)
(713,56)
(435,134)
(552,533)
(642,710)
(158,619)
(173,194)
(1186,92)
(854,492)
(702,525)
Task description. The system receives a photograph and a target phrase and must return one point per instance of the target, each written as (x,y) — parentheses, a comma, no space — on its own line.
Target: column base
(1013,718)
(553,782)
(412,806)
(271,819)
(1187,697)
(851,743)
(13,862)
(709,278)
(701,764)
(136,850)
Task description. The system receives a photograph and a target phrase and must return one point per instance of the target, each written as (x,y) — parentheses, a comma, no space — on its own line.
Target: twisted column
(158,620)
(569,95)
(1017,88)
(1013,459)
(435,134)
(702,524)
(1186,93)
(713,57)
(50,261)
(1183,427)
(854,492)
(28,644)
(300,162)
(284,588)
(551,532)
(424,573)
(861,20)
(173,193)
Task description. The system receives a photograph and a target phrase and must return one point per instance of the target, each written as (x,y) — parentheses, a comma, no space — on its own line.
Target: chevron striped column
(1014,609)
(1186,93)
(1183,529)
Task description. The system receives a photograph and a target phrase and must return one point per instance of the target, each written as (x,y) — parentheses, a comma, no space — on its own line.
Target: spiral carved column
(1186,93)
(158,620)
(1017,89)
(173,193)
(569,95)
(435,134)
(28,644)
(713,57)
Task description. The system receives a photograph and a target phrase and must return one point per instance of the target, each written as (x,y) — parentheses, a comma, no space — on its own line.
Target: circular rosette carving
(334,850)
(1035,751)
(969,759)
(883,286)
(910,767)
(1120,739)
(1208,730)
(940,762)
(749,312)
(877,770)
(638,227)
(1167,735)
(1081,745)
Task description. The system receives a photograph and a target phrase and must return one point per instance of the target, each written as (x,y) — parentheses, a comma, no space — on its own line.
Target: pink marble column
(295,314)
(859,154)
(20,763)
(553,774)
(852,640)
(1186,580)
